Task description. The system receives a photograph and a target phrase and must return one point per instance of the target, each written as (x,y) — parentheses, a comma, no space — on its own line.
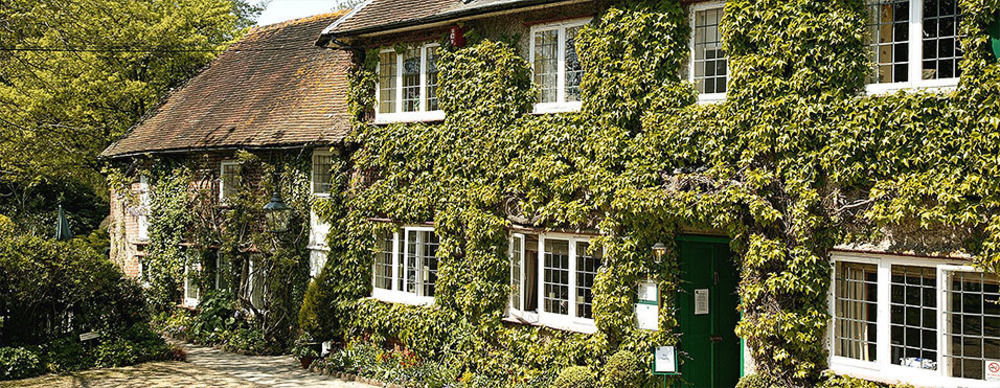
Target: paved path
(206,367)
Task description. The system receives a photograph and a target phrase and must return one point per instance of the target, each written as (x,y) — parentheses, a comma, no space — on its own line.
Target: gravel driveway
(206,367)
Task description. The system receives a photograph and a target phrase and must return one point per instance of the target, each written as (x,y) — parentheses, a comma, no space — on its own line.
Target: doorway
(706,311)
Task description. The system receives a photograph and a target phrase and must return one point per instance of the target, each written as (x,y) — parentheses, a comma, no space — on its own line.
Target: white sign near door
(665,360)
(701,301)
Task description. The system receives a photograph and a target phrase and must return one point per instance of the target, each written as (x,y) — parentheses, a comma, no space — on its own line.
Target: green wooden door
(707,314)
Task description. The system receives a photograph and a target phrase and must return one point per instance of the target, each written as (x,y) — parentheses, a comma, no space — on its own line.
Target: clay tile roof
(274,87)
(380,15)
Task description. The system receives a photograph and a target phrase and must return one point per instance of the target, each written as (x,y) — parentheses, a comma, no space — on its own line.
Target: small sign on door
(701,301)
(992,369)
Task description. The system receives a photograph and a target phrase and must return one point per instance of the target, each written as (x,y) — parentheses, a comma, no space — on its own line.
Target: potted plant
(306,350)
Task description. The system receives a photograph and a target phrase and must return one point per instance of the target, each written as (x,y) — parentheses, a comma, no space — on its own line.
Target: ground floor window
(551,280)
(192,293)
(913,320)
(406,265)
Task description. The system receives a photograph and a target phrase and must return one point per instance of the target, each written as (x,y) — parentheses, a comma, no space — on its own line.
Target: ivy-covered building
(779,190)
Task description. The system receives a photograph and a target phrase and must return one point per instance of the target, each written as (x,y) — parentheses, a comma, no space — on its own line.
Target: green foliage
(625,368)
(44,281)
(137,344)
(575,377)
(18,363)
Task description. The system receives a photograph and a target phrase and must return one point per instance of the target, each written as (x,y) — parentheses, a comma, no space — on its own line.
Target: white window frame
(312,176)
(399,116)
(883,370)
(915,59)
(570,321)
(222,178)
(520,313)
(561,105)
(142,218)
(190,302)
(396,294)
(705,98)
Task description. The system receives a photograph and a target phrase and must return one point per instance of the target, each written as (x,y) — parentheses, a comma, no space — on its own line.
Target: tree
(76,74)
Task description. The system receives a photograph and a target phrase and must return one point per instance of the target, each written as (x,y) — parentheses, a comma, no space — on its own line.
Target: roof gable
(274,87)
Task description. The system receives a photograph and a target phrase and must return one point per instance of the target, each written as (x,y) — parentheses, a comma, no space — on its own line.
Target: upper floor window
(322,163)
(709,65)
(406,266)
(914,320)
(556,66)
(914,43)
(229,181)
(407,85)
(551,280)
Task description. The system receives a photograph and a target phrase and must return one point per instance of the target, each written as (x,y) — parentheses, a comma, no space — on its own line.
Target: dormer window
(556,66)
(914,43)
(407,85)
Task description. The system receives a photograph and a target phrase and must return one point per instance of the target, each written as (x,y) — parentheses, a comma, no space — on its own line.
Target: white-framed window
(914,44)
(192,293)
(551,278)
(708,65)
(229,180)
(406,265)
(555,65)
(407,85)
(142,218)
(925,321)
(256,282)
(322,177)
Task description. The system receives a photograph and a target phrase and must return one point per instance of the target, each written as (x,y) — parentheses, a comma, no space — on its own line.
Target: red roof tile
(274,87)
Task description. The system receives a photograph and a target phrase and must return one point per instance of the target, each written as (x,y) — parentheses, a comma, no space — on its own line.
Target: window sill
(937,85)
(409,117)
(895,374)
(567,323)
(318,247)
(190,303)
(711,98)
(557,107)
(401,297)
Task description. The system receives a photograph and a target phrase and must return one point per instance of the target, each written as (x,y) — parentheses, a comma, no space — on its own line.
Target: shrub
(18,363)
(624,369)
(575,377)
(755,381)
(66,354)
(137,344)
(831,380)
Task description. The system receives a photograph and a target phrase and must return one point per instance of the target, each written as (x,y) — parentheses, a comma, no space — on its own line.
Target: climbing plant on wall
(796,160)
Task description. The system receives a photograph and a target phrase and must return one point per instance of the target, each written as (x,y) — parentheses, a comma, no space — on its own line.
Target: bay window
(551,279)
(932,322)
(914,43)
(556,67)
(407,85)
(406,265)
(709,65)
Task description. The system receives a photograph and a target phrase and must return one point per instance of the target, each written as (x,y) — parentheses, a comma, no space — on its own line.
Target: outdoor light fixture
(658,250)
(278,213)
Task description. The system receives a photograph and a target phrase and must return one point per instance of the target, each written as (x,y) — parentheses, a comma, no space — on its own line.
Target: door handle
(715,338)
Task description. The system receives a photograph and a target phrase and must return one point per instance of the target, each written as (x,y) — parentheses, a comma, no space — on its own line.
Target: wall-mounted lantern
(278,214)
(659,249)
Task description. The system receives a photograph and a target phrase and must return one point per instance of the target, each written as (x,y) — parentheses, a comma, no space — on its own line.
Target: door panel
(711,349)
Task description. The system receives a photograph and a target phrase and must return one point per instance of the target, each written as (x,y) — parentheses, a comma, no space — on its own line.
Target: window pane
(411,261)
(889,28)
(547,64)
(975,326)
(322,176)
(556,286)
(230,180)
(191,283)
(574,71)
(856,290)
(432,79)
(383,261)
(387,83)
(710,62)
(516,255)
(941,40)
(913,313)
(411,80)
(428,262)
(586,269)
